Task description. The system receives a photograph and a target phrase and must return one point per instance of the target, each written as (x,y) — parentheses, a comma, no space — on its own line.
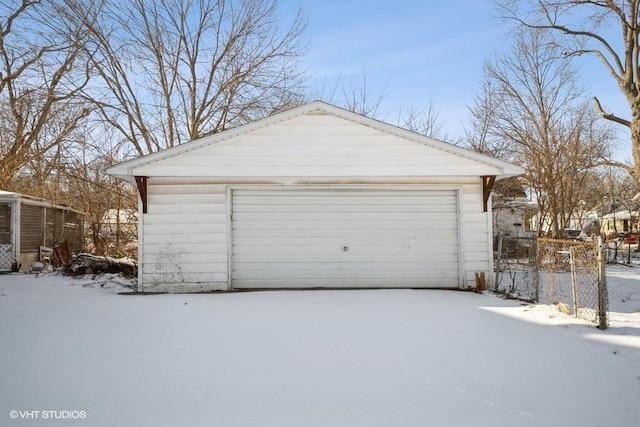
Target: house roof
(123,216)
(522,203)
(9,196)
(621,215)
(128,169)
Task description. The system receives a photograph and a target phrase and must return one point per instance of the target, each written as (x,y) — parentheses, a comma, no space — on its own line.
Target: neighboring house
(119,221)
(314,197)
(514,218)
(580,224)
(119,230)
(620,222)
(588,223)
(30,226)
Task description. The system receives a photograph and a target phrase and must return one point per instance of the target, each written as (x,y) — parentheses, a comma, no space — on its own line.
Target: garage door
(320,238)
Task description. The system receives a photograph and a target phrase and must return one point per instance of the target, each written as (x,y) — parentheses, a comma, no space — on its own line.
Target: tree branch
(609,116)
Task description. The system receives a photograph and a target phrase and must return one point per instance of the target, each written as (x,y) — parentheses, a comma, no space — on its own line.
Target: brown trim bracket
(141,181)
(487,186)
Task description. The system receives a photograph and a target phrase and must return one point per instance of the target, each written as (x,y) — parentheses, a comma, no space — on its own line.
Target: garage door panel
(388,259)
(283,199)
(293,256)
(343,218)
(355,204)
(352,244)
(323,283)
(329,238)
(320,194)
(328,265)
(355,272)
(259,232)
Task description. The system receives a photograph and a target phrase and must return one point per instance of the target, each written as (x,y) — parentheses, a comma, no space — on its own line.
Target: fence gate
(551,271)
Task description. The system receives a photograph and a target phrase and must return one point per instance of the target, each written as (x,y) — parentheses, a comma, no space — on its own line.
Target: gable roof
(128,169)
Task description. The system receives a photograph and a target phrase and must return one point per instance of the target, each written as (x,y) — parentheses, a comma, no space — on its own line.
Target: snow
(310,358)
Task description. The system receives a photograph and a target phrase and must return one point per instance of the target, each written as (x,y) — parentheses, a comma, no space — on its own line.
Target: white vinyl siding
(477,240)
(316,146)
(185,237)
(345,238)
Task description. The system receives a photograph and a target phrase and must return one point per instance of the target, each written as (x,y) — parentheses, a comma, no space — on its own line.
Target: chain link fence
(568,273)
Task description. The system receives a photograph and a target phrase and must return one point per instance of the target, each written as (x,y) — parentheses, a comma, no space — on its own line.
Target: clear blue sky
(419,50)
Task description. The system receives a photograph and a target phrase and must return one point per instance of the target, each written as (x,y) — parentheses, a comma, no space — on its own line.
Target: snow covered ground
(74,352)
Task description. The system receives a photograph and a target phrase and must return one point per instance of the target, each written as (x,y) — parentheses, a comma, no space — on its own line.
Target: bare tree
(42,70)
(483,112)
(174,70)
(109,204)
(425,120)
(357,95)
(361,98)
(540,119)
(109,207)
(583,25)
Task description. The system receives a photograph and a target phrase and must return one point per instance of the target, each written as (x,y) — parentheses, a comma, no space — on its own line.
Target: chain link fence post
(536,273)
(498,264)
(574,280)
(603,294)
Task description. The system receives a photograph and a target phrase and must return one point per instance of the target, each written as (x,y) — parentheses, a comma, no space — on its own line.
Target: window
(528,220)
(5,223)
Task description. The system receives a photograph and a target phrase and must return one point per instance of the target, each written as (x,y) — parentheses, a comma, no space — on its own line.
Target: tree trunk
(635,143)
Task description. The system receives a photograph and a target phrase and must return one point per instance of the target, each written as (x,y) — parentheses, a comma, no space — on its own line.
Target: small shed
(32,226)
(313,197)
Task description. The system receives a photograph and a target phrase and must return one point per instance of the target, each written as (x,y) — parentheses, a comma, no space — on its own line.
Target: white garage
(314,197)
